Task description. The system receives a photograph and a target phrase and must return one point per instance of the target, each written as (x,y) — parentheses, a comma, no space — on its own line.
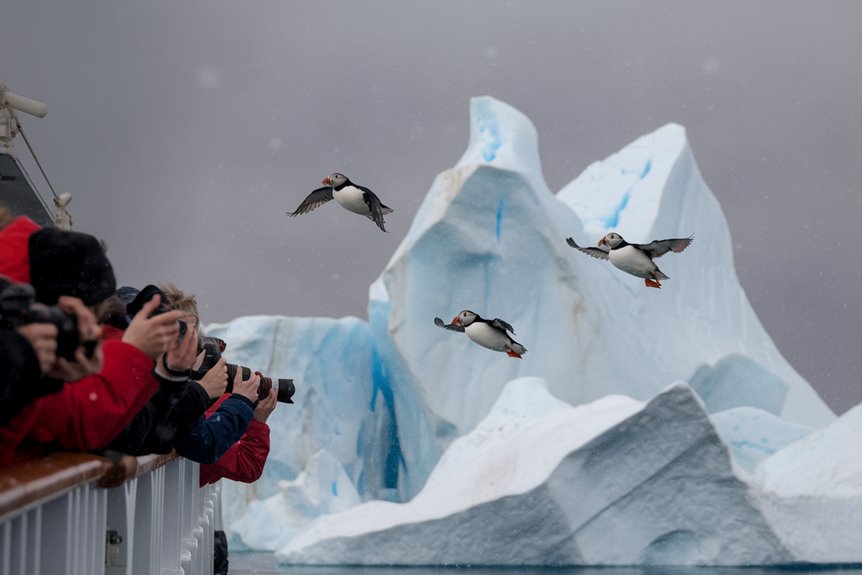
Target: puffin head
(464,318)
(611,240)
(334,179)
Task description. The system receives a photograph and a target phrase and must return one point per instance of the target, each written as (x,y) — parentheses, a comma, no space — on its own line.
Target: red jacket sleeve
(244,460)
(89,413)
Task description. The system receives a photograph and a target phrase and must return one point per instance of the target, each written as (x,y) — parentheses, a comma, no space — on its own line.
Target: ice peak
(503,137)
(620,192)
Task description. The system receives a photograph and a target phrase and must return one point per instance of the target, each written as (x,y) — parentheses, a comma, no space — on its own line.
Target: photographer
(176,407)
(88,413)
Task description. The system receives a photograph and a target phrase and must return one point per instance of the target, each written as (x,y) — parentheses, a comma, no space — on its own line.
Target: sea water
(265,564)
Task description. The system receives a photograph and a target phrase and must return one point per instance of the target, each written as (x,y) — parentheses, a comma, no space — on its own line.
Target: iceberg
(811,492)
(363,467)
(616,483)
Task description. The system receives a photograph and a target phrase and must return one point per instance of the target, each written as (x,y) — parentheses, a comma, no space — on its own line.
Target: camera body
(18,306)
(213,348)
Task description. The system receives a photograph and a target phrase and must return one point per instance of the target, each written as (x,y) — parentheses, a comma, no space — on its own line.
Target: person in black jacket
(176,406)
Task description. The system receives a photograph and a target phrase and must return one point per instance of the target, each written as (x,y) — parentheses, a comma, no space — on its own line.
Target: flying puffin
(490,333)
(635,259)
(358,199)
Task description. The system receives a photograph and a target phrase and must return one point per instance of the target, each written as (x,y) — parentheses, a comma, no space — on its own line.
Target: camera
(18,306)
(213,348)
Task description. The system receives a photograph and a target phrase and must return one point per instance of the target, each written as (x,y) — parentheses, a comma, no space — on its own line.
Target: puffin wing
(440,323)
(659,248)
(594,252)
(376,208)
(500,324)
(314,200)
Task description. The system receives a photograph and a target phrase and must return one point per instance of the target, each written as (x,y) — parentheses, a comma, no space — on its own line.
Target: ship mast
(17,176)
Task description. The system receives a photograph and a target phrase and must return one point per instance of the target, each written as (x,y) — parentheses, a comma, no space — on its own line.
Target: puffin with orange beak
(635,259)
(490,333)
(358,199)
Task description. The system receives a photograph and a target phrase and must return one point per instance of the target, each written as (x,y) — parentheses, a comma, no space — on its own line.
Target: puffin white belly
(633,261)
(352,199)
(487,336)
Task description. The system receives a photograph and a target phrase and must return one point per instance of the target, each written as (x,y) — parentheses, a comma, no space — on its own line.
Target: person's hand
(266,406)
(181,354)
(214,381)
(153,335)
(88,325)
(89,333)
(246,387)
(82,366)
(43,340)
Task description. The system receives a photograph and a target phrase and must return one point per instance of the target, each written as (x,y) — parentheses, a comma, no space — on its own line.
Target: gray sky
(185,130)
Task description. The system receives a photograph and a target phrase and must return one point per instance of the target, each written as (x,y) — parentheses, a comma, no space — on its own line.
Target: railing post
(171,535)
(150,499)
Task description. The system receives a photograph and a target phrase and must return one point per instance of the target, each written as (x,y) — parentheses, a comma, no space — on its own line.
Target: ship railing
(84,514)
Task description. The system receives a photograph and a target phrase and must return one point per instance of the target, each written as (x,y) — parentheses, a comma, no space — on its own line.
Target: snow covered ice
(657,416)
(615,483)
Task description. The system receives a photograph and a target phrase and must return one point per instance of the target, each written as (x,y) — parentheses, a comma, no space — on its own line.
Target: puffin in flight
(635,259)
(358,199)
(490,333)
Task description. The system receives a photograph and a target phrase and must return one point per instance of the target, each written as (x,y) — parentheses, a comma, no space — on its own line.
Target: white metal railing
(85,515)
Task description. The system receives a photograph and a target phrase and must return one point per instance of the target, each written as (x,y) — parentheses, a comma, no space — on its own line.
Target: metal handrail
(84,513)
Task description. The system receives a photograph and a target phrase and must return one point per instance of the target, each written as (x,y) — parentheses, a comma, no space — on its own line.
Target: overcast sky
(185,130)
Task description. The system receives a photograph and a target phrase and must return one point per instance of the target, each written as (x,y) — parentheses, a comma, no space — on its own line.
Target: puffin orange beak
(601,242)
(456,320)
(325,181)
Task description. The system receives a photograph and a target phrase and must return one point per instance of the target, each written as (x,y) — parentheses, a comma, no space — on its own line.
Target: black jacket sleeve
(21,380)
(173,410)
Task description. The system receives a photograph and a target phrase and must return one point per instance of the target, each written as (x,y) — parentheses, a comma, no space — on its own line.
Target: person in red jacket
(86,414)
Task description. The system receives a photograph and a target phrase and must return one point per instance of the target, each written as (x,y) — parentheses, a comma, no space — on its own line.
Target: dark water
(265,564)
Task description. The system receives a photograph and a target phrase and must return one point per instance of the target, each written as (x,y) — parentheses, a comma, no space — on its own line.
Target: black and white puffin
(635,259)
(358,199)
(490,333)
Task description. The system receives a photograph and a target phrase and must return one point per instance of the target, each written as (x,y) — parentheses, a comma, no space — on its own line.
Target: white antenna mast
(9,102)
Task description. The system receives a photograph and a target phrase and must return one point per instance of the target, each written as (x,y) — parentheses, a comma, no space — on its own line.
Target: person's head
(112,311)
(183,302)
(69,263)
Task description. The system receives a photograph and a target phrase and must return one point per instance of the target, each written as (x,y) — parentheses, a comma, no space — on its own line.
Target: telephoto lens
(284,389)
